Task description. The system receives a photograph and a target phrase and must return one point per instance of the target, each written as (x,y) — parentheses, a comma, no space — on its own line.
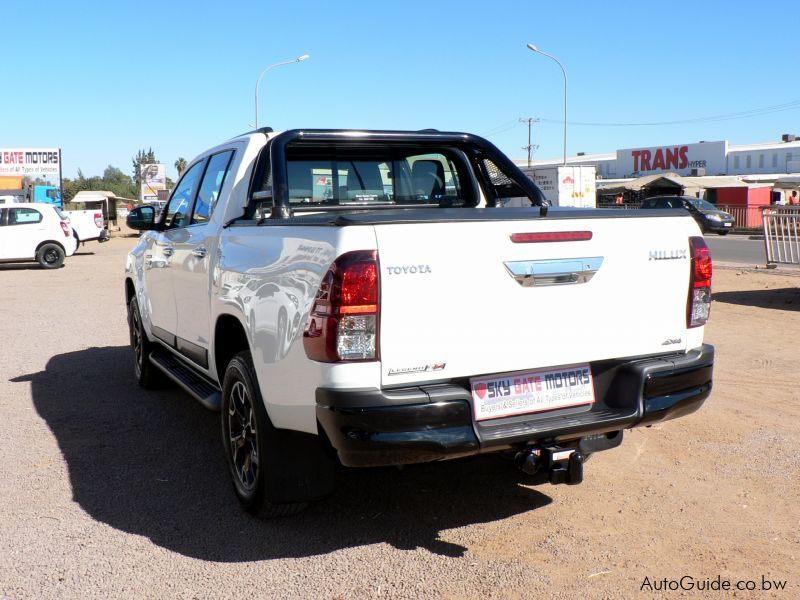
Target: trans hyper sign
(673,159)
(30,161)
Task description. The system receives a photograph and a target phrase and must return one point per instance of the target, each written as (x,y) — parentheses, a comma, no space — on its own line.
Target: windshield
(702,204)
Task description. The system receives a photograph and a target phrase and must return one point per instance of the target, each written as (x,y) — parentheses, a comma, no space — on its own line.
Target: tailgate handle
(562,271)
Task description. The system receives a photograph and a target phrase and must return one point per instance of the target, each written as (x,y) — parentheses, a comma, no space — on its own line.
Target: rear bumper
(434,422)
(70,245)
(718,226)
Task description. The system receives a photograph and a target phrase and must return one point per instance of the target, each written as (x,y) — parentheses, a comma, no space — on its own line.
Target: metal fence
(747,217)
(627,205)
(781,238)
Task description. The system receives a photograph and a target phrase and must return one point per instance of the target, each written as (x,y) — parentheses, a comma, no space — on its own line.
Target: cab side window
(180,205)
(23,216)
(210,187)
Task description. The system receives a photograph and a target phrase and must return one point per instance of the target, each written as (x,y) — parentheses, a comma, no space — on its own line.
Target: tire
(249,439)
(281,334)
(724,232)
(147,375)
(50,256)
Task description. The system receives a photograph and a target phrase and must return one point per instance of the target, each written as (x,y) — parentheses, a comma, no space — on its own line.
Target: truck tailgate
(463,299)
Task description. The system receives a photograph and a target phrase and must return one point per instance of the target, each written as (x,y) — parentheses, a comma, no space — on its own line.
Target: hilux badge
(668,254)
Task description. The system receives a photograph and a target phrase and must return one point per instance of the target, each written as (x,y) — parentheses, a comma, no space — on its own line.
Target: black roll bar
(475,147)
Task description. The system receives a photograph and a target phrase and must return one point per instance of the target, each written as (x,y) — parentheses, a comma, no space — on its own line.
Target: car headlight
(714,217)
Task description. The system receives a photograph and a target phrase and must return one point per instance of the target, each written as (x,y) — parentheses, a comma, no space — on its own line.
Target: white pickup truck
(87,225)
(362,297)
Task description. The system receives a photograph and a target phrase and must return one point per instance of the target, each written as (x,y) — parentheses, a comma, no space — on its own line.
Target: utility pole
(530,147)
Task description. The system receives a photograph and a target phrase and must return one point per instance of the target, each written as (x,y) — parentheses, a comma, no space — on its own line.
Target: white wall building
(765,161)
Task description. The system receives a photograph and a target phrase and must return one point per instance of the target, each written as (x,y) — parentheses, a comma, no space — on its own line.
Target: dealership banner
(30,162)
(153,180)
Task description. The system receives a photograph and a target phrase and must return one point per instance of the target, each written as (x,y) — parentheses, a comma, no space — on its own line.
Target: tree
(113,180)
(116,181)
(180,166)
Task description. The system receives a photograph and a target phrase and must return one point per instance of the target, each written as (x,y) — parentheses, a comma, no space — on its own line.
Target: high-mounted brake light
(699,304)
(343,323)
(551,236)
(65,228)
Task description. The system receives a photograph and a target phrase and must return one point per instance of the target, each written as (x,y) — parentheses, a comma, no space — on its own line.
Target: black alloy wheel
(249,440)
(242,437)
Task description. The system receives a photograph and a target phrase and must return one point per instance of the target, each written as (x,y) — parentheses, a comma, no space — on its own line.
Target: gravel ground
(111,491)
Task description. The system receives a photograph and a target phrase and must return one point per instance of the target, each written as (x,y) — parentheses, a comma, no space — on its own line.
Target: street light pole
(535,49)
(285,62)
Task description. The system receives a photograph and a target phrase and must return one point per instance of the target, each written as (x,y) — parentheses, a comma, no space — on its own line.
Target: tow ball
(562,465)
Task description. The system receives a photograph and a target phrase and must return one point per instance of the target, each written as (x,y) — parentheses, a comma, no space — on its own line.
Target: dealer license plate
(510,394)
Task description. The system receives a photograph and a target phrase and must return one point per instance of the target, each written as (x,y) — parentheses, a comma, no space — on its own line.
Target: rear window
(375,177)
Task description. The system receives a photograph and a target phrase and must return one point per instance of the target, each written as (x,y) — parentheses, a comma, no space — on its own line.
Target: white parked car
(38,232)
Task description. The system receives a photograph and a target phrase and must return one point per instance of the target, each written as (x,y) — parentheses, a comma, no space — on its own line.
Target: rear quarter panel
(269,271)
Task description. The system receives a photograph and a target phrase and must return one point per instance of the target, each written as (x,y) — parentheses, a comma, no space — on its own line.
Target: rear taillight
(65,228)
(699,304)
(98,220)
(343,323)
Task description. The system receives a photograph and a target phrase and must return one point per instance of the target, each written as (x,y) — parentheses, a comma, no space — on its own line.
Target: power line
(755,112)
(501,128)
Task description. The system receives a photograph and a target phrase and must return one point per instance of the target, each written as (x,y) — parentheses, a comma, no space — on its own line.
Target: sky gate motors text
(18,157)
(551,381)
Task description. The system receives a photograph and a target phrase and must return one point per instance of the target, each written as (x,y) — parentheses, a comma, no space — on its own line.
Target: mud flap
(301,469)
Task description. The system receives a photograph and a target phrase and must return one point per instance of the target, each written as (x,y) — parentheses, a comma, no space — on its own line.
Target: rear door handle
(565,271)
(168,251)
(200,251)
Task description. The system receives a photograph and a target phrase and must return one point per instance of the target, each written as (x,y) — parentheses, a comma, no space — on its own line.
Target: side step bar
(195,385)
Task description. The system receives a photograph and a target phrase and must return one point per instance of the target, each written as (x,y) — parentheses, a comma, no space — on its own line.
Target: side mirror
(142,218)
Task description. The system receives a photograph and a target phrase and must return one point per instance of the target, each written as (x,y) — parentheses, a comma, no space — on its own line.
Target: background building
(766,162)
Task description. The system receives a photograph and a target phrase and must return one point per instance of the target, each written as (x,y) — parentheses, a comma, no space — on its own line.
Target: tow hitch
(562,465)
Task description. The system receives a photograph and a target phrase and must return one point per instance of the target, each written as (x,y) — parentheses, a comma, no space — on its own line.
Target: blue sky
(102,82)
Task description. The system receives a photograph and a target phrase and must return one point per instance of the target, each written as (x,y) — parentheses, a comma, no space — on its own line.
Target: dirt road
(110,491)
